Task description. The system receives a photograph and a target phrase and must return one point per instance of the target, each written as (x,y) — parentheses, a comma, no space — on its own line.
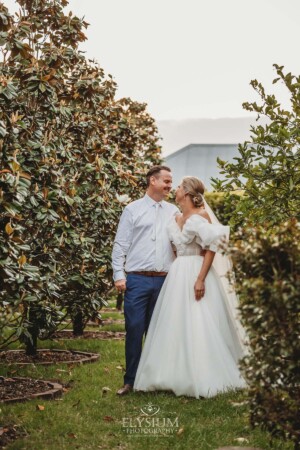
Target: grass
(87,418)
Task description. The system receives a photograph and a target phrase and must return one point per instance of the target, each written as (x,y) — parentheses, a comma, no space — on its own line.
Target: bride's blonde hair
(195,189)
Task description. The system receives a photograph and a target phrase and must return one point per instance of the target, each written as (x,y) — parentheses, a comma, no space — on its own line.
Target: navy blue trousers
(139,301)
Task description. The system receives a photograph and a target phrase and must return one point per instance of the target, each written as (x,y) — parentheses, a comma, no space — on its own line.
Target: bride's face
(179,194)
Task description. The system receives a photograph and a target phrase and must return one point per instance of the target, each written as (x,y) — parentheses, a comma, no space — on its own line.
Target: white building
(200,160)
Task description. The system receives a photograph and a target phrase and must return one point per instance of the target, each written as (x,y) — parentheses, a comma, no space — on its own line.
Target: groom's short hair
(155,170)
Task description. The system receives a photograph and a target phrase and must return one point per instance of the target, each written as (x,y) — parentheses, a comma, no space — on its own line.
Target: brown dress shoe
(125,389)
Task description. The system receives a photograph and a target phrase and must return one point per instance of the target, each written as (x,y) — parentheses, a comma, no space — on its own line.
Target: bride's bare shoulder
(204,214)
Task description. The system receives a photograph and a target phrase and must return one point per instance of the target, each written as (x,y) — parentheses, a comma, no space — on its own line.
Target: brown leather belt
(148,273)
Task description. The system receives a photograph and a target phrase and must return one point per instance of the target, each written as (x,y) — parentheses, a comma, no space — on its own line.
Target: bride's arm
(199,287)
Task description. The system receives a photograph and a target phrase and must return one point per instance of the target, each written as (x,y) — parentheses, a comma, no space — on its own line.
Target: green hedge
(267,264)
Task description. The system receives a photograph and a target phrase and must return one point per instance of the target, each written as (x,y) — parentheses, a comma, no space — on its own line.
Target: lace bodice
(196,235)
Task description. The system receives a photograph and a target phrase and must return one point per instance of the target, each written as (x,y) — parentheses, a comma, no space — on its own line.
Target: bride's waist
(184,255)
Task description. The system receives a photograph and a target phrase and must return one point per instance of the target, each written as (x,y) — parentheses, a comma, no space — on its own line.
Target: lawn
(91,416)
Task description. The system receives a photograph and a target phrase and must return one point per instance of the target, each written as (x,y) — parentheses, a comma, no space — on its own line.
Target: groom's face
(162,183)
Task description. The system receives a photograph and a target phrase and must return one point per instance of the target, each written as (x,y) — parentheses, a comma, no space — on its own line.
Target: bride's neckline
(194,214)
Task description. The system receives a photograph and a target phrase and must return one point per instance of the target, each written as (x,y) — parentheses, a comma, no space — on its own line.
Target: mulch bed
(107,321)
(101,335)
(110,310)
(10,433)
(19,389)
(47,357)
(100,322)
(111,322)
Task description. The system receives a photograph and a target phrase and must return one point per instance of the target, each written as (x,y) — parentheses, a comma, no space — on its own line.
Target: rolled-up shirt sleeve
(122,244)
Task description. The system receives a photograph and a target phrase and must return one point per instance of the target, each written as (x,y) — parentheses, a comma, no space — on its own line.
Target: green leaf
(42,87)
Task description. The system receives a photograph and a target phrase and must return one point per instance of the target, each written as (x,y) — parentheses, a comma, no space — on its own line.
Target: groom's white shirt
(134,248)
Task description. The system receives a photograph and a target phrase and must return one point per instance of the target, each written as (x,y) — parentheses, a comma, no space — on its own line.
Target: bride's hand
(199,289)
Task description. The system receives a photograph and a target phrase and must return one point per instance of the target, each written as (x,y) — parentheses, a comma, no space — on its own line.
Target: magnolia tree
(69,151)
(266,256)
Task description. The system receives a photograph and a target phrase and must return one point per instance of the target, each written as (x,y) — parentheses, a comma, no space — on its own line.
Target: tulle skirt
(191,346)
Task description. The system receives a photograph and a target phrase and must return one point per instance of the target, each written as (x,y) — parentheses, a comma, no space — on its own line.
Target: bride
(194,340)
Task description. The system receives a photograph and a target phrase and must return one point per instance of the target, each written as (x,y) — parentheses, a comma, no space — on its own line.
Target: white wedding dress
(192,347)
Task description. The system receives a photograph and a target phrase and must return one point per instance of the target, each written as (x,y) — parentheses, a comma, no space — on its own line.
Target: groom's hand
(120,285)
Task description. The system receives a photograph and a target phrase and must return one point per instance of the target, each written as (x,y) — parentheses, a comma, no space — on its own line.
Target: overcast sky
(191,58)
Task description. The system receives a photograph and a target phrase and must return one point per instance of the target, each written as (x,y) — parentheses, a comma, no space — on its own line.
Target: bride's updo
(195,189)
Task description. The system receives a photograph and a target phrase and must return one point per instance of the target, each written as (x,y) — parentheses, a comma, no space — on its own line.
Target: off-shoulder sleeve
(209,236)
(172,228)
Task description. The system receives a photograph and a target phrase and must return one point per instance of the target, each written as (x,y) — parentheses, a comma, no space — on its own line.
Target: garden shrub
(267,268)
(266,256)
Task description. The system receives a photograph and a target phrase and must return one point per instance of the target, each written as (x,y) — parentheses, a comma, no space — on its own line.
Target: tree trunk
(33,329)
(119,301)
(78,324)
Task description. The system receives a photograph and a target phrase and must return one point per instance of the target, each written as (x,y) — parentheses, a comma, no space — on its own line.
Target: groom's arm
(121,246)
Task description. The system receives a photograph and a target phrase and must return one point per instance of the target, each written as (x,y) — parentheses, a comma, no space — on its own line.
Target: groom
(141,257)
